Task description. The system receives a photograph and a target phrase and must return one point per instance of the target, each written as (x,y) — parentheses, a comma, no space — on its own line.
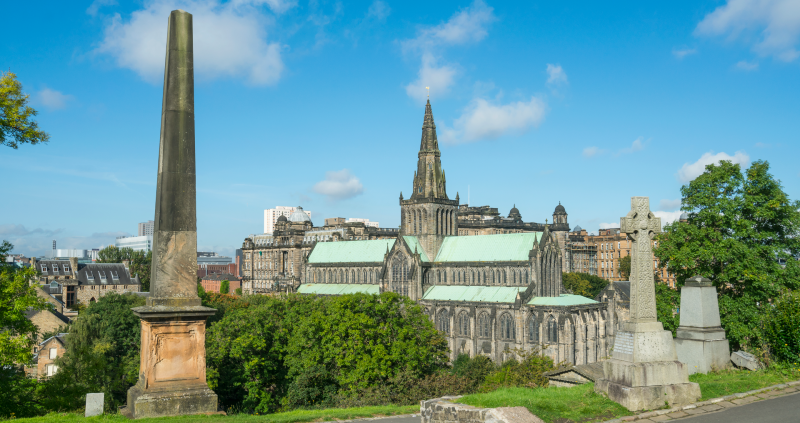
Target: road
(782,409)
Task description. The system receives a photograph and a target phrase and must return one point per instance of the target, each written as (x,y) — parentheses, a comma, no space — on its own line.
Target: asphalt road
(783,409)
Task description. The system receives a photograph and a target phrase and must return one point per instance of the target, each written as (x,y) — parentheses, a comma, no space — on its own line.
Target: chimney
(73,264)
(127,265)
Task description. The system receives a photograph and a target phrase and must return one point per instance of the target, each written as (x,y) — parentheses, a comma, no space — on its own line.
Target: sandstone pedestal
(701,342)
(172,378)
(644,372)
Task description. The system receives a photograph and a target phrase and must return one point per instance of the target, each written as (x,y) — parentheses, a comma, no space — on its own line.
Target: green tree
(224,286)
(102,355)
(625,267)
(577,285)
(781,330)
(16,117)
(139,262)
(238,291)
(741,227)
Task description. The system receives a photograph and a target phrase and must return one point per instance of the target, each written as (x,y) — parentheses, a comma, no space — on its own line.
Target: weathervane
(429,92)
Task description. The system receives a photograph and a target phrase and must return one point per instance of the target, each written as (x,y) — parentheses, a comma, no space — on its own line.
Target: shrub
(475,369)
(528,373)
(781,328)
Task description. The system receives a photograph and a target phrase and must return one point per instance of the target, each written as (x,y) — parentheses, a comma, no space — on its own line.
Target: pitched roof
(485,294)
(101,274)
(338,288)
(413,244)
(371,251)
(504,247)
(561,300)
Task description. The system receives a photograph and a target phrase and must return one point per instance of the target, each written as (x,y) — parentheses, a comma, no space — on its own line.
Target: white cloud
(230,39)
(97,4)
(38,242)
(690,171)
(339,185)
(777,23)
(637,145)
(669,205)
(483,120)
(747,66)
(668,216)
(592,151)
(556,75)
(439,78)
(53,99)
(378,10)
(609,225)
(467,25)
(681,53)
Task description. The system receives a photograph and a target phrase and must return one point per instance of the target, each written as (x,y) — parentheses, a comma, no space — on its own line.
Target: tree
(584,284)
(741,227)
(102,355)
(224,286)
(139,262)
(16,117)
(625,267)
(238,291)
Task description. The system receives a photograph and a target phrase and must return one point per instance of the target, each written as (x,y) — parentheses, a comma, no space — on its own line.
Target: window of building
(44,268)
(442,321)
(66,268)
(463,324)
(89,275)
(114,275)
(506,327)
(55,268)
(54,284)
(53,353)
(484,326)
(51,369)
(102,275)
(552,330)
(533,330)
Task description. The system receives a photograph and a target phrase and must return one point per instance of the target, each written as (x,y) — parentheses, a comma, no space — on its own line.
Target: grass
(582,404)
(732,381)
(287,417)
(579,403)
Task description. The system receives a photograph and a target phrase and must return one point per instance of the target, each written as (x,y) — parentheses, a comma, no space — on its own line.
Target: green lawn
(578,403)
(288,417)
(581,404)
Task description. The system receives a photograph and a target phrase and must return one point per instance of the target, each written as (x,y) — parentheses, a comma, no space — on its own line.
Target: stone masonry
(701,342)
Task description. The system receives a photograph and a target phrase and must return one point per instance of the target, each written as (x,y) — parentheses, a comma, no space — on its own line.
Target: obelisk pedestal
(172,375)
(644,372)
(701,342)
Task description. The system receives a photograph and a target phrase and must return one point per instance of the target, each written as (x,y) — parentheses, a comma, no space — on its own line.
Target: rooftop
(503,247)
(371,251)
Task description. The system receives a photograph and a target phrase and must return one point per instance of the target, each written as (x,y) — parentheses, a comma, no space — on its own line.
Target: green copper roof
(413,243)
(485,294)
(561,300)
(338,288)
(505,247)
(350,251)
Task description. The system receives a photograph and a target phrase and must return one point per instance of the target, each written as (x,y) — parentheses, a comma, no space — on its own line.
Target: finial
(545,221)
(429,92)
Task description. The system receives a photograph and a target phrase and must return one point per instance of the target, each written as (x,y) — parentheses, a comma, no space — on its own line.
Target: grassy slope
(288,417)
(727,382)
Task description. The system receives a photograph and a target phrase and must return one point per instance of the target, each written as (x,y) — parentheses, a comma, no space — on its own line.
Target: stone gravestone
(644,371)
(701,342)
(94,404)
(746,360)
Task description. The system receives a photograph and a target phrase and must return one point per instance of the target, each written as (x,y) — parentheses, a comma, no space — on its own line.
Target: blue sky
(320,104)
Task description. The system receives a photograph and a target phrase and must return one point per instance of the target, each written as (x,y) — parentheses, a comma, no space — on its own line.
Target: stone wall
(443,410)
(85,293)
(44,356)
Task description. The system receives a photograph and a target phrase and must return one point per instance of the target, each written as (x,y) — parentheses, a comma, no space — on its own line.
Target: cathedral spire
(429,181)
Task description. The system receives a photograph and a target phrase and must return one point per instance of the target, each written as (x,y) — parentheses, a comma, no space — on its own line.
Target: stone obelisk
(644,372)
(172,376)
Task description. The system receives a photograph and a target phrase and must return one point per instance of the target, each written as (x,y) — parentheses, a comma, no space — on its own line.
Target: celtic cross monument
(644,370)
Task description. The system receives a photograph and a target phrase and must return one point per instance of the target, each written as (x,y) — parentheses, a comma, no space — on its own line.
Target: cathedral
(490,294)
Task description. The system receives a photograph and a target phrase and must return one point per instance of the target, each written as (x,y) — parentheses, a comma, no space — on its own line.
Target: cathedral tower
(429,214)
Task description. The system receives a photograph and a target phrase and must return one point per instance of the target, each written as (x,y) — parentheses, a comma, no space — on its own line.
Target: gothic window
(484,326)
(445,276)
(514,278)
(341,276)
(524,276)
(353,276)
(506,326)
(479,277)
(459,277)
(400,276)
(552,330)
(463,324)
(533,330)
(346,277)
(442,321)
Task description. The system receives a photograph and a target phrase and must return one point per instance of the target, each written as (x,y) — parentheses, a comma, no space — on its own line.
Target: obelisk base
(172,376)
(644,372)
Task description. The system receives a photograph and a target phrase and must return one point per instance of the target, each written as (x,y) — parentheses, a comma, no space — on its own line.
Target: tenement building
(491,293)
(71,282)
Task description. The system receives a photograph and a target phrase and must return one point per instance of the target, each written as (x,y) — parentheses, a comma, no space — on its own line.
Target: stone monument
(644,372)
(172,376)
(94,404)
(701,341)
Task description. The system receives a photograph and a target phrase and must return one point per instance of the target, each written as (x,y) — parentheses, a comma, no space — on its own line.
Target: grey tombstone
(701,342)
(746,360)
(94,404)
(644,372)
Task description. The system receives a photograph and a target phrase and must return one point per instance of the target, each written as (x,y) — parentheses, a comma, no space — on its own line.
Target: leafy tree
(577,285)
(139,262)
(667,302)
(741,226)
(528,373)
(238,291)
(102,355)
(16,117)
(224,286)
(475,369)
(781,330)
(625,267)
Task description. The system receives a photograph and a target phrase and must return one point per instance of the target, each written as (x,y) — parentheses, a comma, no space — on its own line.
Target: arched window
(514,277)
(524,276)
(463,324)
(445,276)
(506,326)
(533,330)
(353,276)
(442,321)
(552,330)
(400,276)
(346,277)
(484,326)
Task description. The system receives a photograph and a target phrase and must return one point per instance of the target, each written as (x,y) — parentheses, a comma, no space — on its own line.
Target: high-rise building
(137,243)
(364,221)
(146,228)
(271,216)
